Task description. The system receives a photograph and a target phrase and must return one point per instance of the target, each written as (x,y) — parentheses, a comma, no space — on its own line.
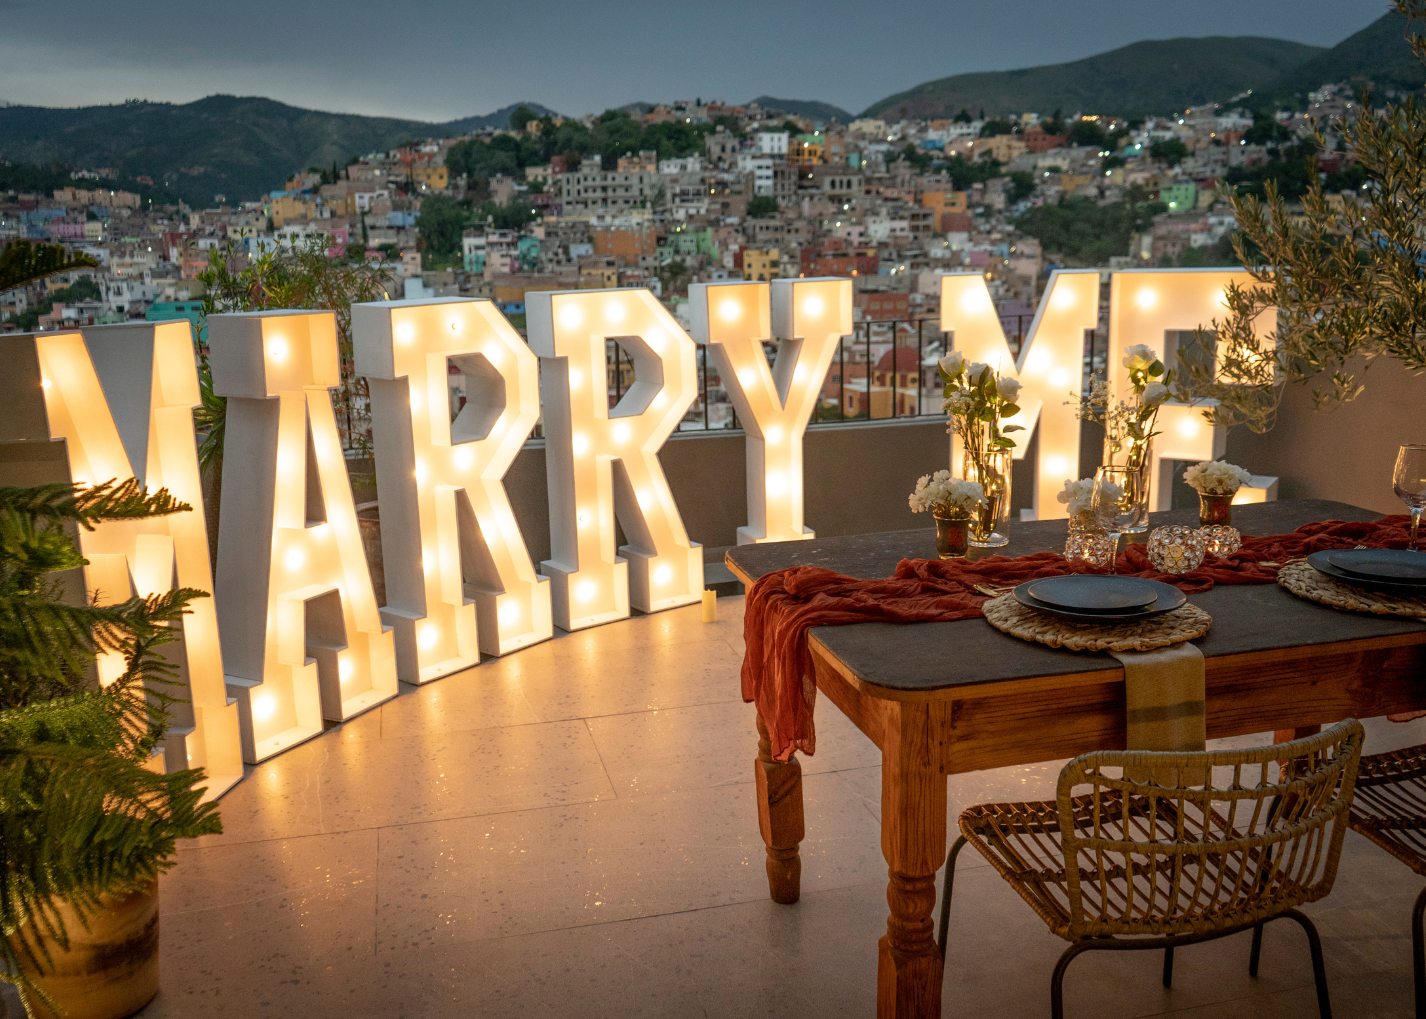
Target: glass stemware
(1408,481)
(1114,504)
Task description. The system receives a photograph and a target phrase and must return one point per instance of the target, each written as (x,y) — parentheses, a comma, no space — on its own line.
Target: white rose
(952,363)
(1140,355)
(1009,389)
(975,370)
(1155,393)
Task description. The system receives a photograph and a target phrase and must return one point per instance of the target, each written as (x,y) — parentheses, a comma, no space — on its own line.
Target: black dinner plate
(1090,592)
(1320,562)
(1167,598)
(1392,565)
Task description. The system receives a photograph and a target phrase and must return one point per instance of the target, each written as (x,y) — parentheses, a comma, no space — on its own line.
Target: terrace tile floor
(571,831)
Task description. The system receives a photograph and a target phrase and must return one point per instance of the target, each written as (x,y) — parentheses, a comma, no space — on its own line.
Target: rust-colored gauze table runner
(782,606)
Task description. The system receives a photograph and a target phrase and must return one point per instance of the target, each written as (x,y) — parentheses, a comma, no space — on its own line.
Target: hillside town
(729,192)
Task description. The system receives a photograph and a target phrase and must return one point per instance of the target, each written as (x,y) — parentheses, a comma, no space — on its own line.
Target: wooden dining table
(942,698)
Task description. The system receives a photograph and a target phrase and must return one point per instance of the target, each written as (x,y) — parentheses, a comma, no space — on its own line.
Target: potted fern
(86,823)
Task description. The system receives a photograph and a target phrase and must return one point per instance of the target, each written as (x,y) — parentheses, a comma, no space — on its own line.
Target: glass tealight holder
(1176,549)
(1221,539)
(1094,547)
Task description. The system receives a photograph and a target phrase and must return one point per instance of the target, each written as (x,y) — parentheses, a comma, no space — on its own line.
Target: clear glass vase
(952,535)
(1126,452)
(987,525)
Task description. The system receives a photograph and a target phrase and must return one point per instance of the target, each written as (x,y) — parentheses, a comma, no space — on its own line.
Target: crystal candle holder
(1093,547)
(1221,539)
(1176,549)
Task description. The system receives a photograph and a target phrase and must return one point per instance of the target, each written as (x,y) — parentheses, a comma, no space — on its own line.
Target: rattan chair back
(1188,843)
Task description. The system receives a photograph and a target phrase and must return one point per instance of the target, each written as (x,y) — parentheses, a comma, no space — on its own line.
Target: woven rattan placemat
(1185,623)
(1305,582)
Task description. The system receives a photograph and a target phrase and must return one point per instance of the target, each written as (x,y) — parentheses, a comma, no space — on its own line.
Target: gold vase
(952,535)
(1214,510)
(988,524)
(111,969)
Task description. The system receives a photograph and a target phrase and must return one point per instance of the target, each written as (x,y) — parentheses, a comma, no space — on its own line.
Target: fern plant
(80,814)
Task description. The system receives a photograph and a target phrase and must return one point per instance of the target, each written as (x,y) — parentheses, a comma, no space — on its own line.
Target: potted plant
(951,502)
(976,398)
(1216,483)
(85,825)
(1129,424)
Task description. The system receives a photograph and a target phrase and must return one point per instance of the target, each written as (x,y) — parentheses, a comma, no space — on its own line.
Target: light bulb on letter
(570,316)
(405,333)
(620,433)
(729,311)
(277,350)
(264,707)
(462,458)
(428,637)
(813,306)
(774,435)
(614,311)
(294,559)
(1146,298)
(580,444)
(663,574)
(1188,427)
(585,590)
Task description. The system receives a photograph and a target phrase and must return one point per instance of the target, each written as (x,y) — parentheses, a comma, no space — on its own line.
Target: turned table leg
(913,840)
(780,818)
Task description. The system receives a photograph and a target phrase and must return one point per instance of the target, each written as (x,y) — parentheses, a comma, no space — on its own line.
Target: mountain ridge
(238,146)
(1133,80)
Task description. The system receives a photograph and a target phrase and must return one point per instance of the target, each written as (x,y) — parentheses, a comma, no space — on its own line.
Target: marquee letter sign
(1050,366)
(120,398)
(601,461)
(459,580)
(302,638)
(1144,304)
(808,318)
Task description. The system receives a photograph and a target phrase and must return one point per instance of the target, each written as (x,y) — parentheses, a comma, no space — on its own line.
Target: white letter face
(602,462)
(774,403)
(121,398)
(302,638)
(459,580)
(1049,367)
(1144,304)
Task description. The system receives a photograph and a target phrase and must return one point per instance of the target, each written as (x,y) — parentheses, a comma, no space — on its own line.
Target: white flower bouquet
(1078,497)
(1215,477)
(946,496)
(1129,425)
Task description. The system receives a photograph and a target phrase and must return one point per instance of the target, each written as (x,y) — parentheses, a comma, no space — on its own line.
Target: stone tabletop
(931,656)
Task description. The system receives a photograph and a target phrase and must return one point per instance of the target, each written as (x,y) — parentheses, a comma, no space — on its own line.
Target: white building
(762,170)
(689,164)
(772,143)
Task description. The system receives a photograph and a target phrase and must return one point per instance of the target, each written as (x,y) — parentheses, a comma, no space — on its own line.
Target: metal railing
(863,383)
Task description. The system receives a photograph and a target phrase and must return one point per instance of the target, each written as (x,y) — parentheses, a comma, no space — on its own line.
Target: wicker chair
(1390,809)
(1154,856)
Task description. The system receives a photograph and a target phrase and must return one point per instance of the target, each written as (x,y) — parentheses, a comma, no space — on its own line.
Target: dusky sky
(441,59)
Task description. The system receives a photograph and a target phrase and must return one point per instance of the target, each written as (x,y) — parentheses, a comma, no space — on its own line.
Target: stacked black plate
(1393,570)
(1089,598)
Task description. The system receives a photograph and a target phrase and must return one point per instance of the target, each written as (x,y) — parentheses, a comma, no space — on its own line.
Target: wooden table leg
(780,818)
(913,840)
(1288,735)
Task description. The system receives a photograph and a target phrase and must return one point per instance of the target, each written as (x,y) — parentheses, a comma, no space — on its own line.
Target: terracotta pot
(111,969)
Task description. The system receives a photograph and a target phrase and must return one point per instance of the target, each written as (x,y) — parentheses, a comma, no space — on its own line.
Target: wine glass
(1113,503)
(1409,483)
